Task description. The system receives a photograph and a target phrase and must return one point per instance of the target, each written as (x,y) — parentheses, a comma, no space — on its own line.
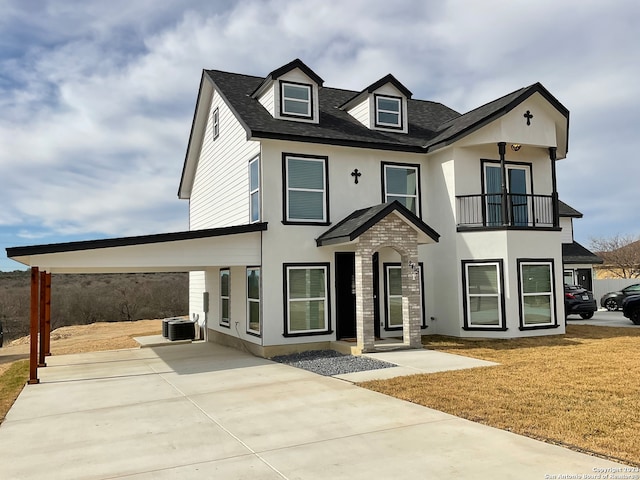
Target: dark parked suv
(631,308)
(613,300)
(580,301)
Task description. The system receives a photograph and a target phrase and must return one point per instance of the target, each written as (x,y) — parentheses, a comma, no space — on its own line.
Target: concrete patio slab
(412,362)
(206,411)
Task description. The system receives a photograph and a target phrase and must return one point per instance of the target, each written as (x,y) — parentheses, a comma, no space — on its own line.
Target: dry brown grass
(581,390)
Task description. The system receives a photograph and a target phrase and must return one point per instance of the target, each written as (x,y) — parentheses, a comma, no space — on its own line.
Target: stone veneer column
(365,332)
(391,232)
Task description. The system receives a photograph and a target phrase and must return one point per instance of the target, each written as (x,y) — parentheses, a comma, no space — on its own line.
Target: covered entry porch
(389,225)
(168,252)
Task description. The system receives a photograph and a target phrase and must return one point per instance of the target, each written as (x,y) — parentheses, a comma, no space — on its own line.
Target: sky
(97,97)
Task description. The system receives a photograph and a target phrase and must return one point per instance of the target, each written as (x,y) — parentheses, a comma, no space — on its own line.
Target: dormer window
(388,112)
(296,100)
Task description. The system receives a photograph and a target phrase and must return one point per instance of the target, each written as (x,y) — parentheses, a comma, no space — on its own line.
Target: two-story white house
(378,215)
(320,214)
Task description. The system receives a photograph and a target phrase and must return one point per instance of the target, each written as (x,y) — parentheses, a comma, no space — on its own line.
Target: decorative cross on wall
(528,115)
(356,174)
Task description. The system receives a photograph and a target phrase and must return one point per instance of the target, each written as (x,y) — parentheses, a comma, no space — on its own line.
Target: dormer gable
(291,93)
(381,106)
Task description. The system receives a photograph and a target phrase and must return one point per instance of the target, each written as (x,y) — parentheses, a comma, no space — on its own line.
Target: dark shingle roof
(362,220)
(565,210)
(576,253)
(431,124)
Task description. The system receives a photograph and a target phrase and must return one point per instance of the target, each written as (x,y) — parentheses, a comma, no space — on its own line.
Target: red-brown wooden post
(47,315)
(41,318)
(33,333)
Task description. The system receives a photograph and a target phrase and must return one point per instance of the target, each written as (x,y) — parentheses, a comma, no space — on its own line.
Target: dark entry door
(345,295)
(584,278)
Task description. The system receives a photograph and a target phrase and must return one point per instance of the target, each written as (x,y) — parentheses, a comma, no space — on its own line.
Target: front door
(584,278)
(345,295)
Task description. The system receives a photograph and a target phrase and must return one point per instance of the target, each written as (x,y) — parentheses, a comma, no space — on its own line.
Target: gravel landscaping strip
(330,362)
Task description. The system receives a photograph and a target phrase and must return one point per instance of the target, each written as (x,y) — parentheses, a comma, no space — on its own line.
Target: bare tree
(621,254)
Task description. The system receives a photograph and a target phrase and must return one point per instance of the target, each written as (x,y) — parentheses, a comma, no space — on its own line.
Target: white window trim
(225,322)
(380,123)
(216,123)
(470,295)
(416,197)
(325,299)
(550,294)
(284,99)
(323,161)
(254,300)
(255,191)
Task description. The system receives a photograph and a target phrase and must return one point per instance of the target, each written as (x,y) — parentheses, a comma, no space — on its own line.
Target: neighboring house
(578,262)
(320,214)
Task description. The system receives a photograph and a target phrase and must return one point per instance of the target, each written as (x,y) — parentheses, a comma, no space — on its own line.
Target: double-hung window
(393,297)
(388,112)
(401,183)
(296,100)
(225,297)
(484,302)
(537,306)
(253,300)
(306,198)
(254,190)
(307,301)
(215,121)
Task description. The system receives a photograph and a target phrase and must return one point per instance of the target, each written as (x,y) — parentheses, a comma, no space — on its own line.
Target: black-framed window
(215,122)
(483,286)
(253,301)
(306,189)
(519,186)
(393,296)
(401,182)
(306,299)
(536,288)
(225,297)
(296,100)
(254,190)
(388,112)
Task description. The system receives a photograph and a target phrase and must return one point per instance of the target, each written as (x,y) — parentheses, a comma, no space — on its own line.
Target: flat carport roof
(166,252)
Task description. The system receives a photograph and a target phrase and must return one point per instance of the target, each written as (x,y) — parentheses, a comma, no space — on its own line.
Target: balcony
(498,211)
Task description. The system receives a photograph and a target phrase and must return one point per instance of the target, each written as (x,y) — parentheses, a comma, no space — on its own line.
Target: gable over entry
(387,225)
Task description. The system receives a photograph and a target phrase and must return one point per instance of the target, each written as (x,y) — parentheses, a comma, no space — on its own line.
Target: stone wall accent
(395,233)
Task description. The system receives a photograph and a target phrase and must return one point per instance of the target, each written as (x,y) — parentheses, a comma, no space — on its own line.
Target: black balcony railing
(508,210)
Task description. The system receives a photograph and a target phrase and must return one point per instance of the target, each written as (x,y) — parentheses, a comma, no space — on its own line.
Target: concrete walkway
(202,411)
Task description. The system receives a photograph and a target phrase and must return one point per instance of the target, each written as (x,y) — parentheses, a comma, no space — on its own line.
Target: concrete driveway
(604,318)
(203,411)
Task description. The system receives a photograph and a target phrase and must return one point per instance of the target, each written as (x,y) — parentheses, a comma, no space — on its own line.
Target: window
(296,100)
(393,296)
(401,182)
(517,194)
(484,301)
(388,112)
(537,306)
(306,189)
(307,303)
(225,297)
(253,300)
(254,190)
(568,277)
(216,123)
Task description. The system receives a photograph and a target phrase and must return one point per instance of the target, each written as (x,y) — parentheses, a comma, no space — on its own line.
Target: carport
(166,252)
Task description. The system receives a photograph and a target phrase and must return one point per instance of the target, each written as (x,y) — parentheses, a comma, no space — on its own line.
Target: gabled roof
(431,125)
(373,87)
(463,125)
(576,253)
(362,220)
(565,210)
(278,72)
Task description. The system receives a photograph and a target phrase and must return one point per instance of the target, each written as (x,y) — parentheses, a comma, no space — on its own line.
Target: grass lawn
(580,390)
(12,380)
